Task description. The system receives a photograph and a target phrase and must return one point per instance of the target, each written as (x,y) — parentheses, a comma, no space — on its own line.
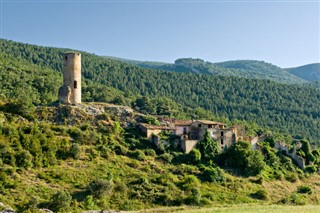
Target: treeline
(290,108)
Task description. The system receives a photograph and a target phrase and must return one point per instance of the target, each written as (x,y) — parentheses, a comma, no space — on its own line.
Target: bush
(195,197)
(138,154)
(260,194)
(298,199)
(60,201)
(212,174)
(189,182)
(166,157)
(100,187)
(194,156)
(311,169)
(88,203)
(75,151)
(24,159)
(292,177)
(304,189)
(150,152)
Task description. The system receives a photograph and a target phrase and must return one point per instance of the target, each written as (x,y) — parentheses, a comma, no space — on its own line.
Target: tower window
(75,85)
(221,134)
(221,141)
(66,57)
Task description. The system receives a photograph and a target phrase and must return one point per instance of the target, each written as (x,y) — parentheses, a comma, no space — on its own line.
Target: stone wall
(188,145)
(296,158)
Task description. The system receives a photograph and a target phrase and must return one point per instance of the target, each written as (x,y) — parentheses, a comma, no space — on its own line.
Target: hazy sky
(285,33)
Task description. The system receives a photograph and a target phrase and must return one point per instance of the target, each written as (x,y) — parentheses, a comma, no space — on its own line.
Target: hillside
(291,109)
(310,72)
(92,156)
(239,68)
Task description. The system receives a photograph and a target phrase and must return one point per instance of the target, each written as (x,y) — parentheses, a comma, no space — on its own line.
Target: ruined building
(70,91)
(190,132)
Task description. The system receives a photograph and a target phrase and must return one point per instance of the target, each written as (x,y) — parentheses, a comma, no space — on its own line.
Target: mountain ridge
(241,68)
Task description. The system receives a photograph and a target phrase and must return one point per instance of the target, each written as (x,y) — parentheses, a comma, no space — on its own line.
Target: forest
(288,108)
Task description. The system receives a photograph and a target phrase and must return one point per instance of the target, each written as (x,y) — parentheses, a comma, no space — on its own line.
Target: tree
(240,156)
(209,148)
(60,202)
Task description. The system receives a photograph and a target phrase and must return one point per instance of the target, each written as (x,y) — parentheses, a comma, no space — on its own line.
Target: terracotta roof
(150,126)
(210,122)
(182,122)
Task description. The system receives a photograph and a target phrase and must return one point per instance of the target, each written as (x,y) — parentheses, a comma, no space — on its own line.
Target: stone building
(194,131)
(191,132)
(70,91)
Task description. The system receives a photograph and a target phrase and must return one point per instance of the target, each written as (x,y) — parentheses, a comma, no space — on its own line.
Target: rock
(7,209)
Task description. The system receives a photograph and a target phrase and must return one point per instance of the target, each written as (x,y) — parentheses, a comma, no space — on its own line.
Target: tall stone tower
(70,92)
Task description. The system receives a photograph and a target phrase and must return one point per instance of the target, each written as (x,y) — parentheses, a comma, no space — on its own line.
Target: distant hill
(239,68)
(309,72)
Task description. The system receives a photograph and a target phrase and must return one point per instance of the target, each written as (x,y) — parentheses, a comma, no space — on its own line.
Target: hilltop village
(187,133)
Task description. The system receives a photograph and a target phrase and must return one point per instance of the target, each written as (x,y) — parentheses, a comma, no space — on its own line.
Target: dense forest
(238,68)
(291,109)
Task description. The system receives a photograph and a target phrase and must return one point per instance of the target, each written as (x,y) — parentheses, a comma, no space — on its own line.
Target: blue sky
(284,33)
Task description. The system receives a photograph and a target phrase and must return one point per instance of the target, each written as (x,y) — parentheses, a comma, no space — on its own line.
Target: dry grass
(240,209)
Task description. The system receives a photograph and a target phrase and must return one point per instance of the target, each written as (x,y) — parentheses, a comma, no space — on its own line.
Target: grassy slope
(138,184)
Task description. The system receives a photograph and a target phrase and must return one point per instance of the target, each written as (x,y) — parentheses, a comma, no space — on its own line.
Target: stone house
(151,130)
(191,132)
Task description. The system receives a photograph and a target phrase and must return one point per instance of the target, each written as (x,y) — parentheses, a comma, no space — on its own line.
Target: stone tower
(70,92)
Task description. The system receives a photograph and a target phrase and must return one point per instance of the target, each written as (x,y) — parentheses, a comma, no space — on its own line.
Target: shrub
(298,199)
(75,151)
(189,182)
(150,152)
(212,174)
(24,159)
(120,150)
(100,187)
(260,194)
(194,156)
(304,189)
(292,177)
(195,197)
(60,201)
(166,157)
(311,169)
(88,203)
(138,154)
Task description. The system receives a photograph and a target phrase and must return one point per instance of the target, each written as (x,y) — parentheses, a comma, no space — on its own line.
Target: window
(209,126)
(221,141)
(221,134)
(184,130)
(75,85)
(66,57)
(199,125)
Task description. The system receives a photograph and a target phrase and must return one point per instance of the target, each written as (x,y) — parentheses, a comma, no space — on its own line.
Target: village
(188,133)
